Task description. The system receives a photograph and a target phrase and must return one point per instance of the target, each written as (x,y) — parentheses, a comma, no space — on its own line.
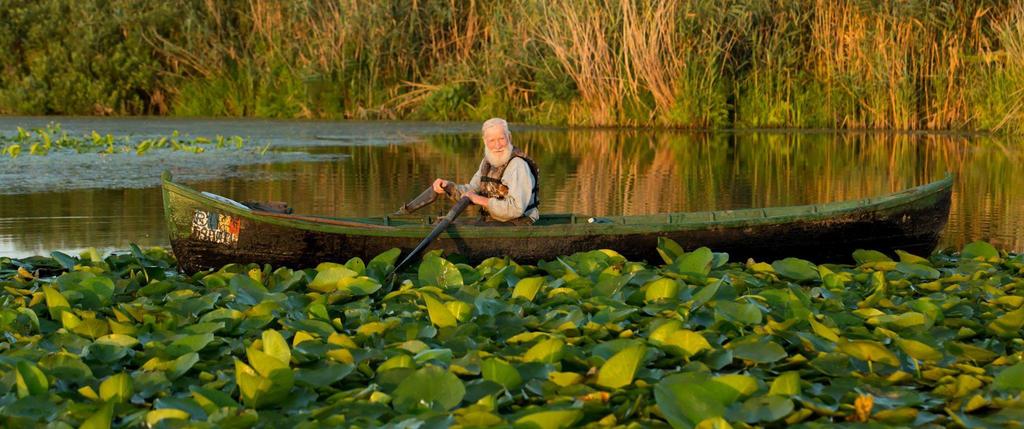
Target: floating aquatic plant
(52,138)
(592,339)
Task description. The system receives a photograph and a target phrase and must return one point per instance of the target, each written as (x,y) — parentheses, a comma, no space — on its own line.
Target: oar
(456,210)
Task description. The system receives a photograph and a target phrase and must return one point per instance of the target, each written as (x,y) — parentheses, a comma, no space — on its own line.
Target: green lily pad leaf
(101,418)
(662,328)
(767,408)
(327,277)
(90,328)
(911,258)
(462,311)
(430,386)
(359,286)
(685,400)
(1010,379)
(66,367)
(705,294)
(823,331)
(796,269)
(323,376)
(66,261)
(759,352)
(714,423)
(118,340)
(397,361)
(918,350)
(30,380)
(246,290)
(546,351)
(382,265)
(869,351)
(437,271)
(212,400)
(979,249)
(685,343)
(527,288)
(746,313)
(259,391)
(187,344)
(275,346)
(443,356)
(864,256)
(661,289)
(264,363)
(620,369)
(971,352)
(918,270)
(154,417)
(55,302)
(98,291)
(909,319)
(116,388)
(696,262)
(669,250)
(35,407)
(786,384)
(742,385)
(501,372)
(440,316)
(181,365)
(1009,324)
(555,419)
(929,308)
(356,264)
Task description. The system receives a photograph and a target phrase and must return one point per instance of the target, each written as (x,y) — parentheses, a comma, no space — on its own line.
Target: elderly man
(505,185)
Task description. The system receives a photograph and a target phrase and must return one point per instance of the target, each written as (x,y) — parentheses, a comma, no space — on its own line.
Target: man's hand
(439,185)
(477,199)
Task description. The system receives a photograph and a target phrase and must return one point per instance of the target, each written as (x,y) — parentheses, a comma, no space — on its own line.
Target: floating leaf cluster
(43,141)
(589,339)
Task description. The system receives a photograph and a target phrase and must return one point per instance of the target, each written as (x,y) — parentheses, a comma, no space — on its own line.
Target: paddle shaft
(441,226)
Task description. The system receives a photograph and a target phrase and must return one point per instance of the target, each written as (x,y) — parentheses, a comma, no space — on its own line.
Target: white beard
(494,159)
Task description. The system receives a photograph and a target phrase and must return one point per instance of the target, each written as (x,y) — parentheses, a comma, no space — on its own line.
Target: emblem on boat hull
(215,227)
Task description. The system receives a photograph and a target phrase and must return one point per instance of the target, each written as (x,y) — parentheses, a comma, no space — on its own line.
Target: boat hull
(911,220)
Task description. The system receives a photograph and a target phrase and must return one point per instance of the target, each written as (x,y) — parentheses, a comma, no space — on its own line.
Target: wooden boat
(208,231)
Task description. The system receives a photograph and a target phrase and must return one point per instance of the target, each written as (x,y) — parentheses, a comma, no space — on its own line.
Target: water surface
(70,202)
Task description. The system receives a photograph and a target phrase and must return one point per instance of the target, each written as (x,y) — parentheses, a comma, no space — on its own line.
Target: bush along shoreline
(693,340)
(910,65)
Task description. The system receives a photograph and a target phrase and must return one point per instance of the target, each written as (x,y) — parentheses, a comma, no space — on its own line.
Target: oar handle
(425,198)
(441,226)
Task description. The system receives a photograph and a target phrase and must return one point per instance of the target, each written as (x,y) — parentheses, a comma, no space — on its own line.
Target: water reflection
(598,172)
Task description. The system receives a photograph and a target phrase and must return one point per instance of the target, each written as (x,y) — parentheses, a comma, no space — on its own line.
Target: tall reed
(583,35)
(915,64)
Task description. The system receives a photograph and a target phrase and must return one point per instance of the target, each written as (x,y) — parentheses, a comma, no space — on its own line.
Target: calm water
(370,168)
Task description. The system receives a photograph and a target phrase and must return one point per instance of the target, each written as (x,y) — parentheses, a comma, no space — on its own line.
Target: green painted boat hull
(207,233)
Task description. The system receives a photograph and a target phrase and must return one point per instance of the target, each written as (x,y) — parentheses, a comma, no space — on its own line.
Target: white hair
(507,155)
(496,122)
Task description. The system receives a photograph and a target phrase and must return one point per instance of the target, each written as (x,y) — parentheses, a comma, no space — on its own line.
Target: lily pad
(430,387)
(437,271)
(979,249)
(796,269)
(620,369)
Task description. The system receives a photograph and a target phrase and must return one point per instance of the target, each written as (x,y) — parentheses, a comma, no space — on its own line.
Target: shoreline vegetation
(590,339)
(909,65)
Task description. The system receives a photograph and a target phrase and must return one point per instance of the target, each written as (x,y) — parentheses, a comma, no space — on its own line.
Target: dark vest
(490,179)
